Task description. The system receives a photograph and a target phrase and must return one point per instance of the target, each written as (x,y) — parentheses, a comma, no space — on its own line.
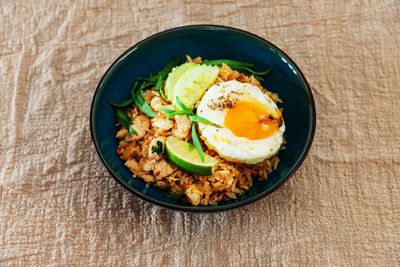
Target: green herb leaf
(144,86)
(176,196)
(133,90)
(231,63)
(196,143)
(167,111)
(143,106)
(151,80)
(173,63)
(158,149)
(159,82)
(188,112)
(203,120)
(123,118)
(172,113)
(137,97)
(125,121)
(158,86)
(183,106)
(190,147)
(260,73)
(156,80)
(128,102)
(178,112)
(132,131)
(237,65)
(124,104)
(163,94)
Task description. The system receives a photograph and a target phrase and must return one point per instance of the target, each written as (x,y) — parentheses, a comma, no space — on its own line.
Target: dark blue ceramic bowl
(209,42)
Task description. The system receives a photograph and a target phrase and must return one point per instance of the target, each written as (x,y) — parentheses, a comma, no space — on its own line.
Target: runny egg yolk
(251,119)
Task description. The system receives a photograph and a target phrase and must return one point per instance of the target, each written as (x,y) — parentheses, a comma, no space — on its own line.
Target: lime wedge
(178,153)
(173,77)
(190,83)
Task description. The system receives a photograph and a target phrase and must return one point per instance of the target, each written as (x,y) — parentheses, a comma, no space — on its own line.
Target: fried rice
(228,181)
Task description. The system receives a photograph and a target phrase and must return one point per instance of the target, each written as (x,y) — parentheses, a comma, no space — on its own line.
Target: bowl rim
(203,209)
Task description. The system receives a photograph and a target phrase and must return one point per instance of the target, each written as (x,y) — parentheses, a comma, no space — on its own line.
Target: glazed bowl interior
(208,42)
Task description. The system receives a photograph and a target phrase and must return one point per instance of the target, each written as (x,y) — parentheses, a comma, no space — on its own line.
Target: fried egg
(253,126)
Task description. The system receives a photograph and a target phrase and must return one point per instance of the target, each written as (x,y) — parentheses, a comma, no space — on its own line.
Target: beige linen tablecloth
(59,206)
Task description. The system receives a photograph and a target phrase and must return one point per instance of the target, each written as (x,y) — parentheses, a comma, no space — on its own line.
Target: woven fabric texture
(59,206)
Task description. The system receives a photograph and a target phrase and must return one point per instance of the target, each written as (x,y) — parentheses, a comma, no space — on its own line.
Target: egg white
(223,140)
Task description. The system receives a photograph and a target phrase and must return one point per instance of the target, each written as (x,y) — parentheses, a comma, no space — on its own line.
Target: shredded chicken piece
(225,71)
(132,150)
(161,125)
(133,166)
(194,195)
(133,112)
(147,164)
(182,126)
(148,95)
(122,133)
(124,143)
(137,169)
(162,169)
(141,125)
(157,102)
(154,155)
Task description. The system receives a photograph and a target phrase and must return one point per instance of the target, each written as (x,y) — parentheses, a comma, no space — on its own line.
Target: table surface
(59,206)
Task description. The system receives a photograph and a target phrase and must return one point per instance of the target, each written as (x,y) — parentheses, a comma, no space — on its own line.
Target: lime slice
(173,77)
(178,153)
(191,84)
